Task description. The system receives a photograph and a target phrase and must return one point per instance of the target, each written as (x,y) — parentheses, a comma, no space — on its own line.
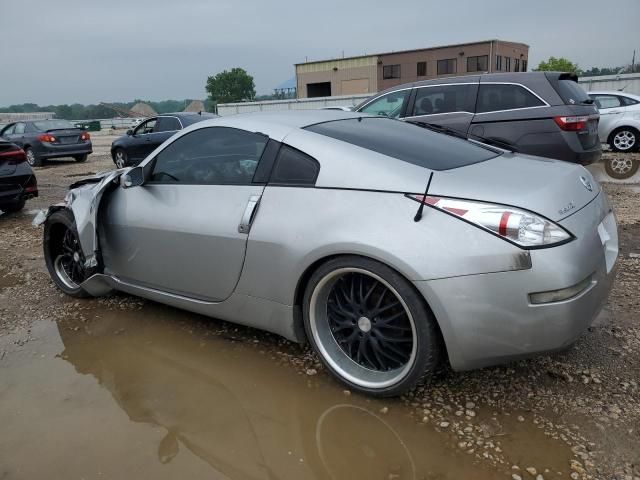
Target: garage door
(355,86)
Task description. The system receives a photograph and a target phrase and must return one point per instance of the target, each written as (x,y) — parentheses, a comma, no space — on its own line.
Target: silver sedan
(389,247)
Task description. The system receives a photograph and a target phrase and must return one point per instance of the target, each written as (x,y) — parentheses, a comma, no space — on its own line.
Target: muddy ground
(119,387)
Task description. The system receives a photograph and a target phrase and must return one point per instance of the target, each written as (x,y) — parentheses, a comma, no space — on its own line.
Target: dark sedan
(132,148)
(45,139)
(17,181)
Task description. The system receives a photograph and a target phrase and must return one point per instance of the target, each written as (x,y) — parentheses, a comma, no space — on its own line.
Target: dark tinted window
(477,64)
(628,101)
(421,69)
(210,156)
(495,97)
(444,99)
(570,92)
(507,64)
(498,62)
(294,168)
(446,66)
(168,124)
(406,142)
(391,71)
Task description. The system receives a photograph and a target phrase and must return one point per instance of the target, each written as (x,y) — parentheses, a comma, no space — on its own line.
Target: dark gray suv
(539,113)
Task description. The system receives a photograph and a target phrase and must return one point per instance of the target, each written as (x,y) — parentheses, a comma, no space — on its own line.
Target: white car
(619,119)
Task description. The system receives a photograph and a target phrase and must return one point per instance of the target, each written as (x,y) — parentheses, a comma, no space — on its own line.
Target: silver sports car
(389,247)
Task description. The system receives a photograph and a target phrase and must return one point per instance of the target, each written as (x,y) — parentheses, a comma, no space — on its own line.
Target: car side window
(606,101)
(8,130)
(294,167)
(19,128)
(497,97)
(145,127)
(626,101)
(389,105)
(167,124)
(444,99)
(210,156)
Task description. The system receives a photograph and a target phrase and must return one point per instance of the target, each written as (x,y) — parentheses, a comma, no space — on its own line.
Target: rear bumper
(489,319)
(16,188)
(50,150)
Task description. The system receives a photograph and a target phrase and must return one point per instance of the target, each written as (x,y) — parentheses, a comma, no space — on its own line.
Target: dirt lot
(119,387)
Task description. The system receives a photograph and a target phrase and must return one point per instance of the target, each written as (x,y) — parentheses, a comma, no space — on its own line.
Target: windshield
(406,142)
(53,125)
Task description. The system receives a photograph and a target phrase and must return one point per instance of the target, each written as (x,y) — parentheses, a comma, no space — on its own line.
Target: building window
(422,69)
(477,64)
(507,64)
(498,62)
(516,64)
(391,71)
(524,65)
(446,66)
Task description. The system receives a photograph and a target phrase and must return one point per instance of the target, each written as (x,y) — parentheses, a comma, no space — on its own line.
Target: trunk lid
(551,188)
(8,153)
(66,136)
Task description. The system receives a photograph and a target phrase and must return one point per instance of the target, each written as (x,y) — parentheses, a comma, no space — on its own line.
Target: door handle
(247,216)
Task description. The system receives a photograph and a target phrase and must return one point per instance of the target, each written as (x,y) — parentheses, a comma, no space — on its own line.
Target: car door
(611,112)
(512,116)
(185,230)
(165,128)
(17,134)
(449,105)
(142,142)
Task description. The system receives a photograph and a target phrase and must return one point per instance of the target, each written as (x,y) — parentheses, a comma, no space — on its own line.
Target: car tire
(32,158)
(81,158)
(13,207)
(624,139)
(120,158)
(63,254)
(621,167)
(370,326)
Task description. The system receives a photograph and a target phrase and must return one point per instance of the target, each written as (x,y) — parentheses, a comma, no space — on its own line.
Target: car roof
(276,124)
(614,92)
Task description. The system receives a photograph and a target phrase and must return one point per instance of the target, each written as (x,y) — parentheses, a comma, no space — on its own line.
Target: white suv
(619,119)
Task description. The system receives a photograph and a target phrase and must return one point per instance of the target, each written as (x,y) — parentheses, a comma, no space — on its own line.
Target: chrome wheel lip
(621,165)
(31,158)
(62,274)
(333,354)
(624,140)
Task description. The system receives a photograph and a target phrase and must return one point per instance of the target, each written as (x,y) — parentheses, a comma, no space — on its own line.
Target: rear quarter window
(570,91)
(406,142)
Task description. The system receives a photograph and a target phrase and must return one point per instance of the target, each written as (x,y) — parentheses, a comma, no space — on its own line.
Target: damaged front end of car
(83,199)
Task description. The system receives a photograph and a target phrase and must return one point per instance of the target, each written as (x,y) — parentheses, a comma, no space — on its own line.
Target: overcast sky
(116,50)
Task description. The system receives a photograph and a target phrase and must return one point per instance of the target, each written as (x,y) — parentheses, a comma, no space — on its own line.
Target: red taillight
(46,137)
(85,136)
(15,156)
(572,124)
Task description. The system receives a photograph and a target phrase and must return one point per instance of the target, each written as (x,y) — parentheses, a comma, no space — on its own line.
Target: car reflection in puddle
(205,398)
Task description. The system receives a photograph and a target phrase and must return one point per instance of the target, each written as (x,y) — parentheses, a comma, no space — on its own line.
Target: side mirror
(130,132)
(133,178)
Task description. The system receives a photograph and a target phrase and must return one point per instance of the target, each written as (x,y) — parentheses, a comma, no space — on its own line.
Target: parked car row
(47,139)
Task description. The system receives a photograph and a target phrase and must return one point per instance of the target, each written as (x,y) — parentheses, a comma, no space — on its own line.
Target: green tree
(558,65)
(235,85)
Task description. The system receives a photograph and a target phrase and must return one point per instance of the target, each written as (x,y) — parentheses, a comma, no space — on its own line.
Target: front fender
(83,199)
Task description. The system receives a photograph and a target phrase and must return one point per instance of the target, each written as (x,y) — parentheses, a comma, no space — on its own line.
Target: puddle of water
(143,394)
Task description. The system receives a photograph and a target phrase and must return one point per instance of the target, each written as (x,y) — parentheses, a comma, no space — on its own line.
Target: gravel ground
(587,397)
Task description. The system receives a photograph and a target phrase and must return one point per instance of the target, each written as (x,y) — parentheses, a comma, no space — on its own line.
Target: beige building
(372,73)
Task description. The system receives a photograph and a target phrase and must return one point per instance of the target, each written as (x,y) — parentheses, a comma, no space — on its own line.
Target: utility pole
(633,61)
